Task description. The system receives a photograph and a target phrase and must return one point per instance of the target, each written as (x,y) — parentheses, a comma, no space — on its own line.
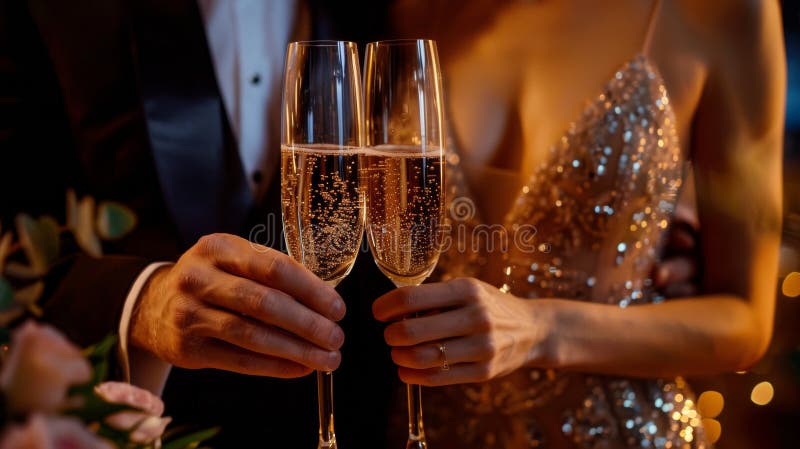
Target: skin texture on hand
(232,305)
(486,333)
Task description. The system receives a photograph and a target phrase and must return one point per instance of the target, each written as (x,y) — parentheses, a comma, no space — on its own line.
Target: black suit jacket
(118,99)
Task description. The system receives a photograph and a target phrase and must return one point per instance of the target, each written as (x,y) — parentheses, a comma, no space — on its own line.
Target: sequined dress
(600,205)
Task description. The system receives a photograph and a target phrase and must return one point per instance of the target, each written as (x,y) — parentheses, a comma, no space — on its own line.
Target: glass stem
(416,432)
(327,437)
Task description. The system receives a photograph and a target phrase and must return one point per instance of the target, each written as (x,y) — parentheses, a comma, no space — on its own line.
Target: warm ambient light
(710,404)
(762,393)
(791,285)
(713,430)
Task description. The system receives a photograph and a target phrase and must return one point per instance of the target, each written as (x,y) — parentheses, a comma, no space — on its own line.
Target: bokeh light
(710,404)
(791,285)
(762,393)
(713,429)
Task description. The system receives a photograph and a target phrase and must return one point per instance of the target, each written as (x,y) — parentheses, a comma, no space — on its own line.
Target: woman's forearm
(703,335)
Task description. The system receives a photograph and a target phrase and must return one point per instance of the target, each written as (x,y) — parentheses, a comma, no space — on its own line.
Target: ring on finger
(443,352)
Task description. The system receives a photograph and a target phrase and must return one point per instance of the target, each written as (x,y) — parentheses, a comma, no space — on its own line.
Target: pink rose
(39,369)
(147,423)
(42,432)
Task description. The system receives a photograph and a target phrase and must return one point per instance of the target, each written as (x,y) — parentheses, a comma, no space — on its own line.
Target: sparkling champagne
(323,208)
(405,207)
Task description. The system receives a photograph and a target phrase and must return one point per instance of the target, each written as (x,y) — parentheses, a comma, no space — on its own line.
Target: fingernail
(333,360)
(337,338)
(339,309)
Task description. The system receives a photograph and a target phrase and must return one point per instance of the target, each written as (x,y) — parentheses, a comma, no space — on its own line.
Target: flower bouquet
(52,396)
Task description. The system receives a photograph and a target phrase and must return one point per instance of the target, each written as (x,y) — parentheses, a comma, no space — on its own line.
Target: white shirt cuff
(139,367)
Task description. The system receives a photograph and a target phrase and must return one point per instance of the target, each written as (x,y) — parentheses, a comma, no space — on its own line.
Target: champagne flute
(321,202)
(402,171)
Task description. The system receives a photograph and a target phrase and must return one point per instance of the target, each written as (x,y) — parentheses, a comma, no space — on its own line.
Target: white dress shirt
(247,40)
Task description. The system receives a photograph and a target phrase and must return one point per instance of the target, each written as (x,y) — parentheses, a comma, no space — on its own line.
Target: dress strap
(651,26)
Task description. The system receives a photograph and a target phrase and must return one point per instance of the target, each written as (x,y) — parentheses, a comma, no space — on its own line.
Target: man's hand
(229,305)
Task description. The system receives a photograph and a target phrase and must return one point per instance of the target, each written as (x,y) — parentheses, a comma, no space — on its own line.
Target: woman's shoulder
(728,23)
(742,44)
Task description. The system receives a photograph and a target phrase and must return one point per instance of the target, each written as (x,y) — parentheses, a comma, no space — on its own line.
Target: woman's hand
(486,333)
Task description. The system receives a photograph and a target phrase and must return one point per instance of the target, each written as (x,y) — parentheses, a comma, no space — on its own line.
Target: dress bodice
(586,225)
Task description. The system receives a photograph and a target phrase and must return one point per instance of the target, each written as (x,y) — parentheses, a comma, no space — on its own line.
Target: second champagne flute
(322,205)
(403,170)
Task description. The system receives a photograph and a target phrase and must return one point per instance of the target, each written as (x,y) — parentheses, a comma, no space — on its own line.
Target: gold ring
(443,351)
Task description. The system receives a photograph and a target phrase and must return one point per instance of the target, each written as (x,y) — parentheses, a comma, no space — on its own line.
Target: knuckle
(489,347)
(229,327)
(268,338)
(408,299)
(315,327)
(210,243)
(258,303)
(405,331)
(275,267)
(246,333)
(469,288)
(185,319)
(308,354)
(481,319)
(189,278)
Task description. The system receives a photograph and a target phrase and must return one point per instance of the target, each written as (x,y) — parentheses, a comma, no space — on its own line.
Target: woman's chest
(518,89)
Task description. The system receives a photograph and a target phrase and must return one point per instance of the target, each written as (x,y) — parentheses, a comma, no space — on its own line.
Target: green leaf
(98,356)
(114,220)
(102,349)
(94,408)
(6,296)
(83,227)
(40,240)
(192,440)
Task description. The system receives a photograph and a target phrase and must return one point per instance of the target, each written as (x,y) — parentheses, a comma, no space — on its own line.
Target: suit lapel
(139,88)
(197,163)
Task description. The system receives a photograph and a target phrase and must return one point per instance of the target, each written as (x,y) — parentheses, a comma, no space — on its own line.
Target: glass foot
(416,443)
(330,444)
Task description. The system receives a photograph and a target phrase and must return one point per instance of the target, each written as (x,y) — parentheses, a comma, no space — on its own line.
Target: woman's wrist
(543,316)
